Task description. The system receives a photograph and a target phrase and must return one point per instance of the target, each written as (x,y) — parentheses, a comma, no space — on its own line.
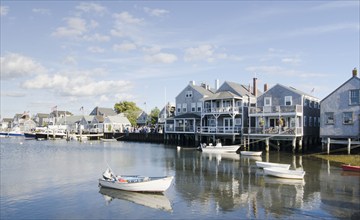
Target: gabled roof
(120,118)
(352,78)
(202,90)
(222,95)
(240,89)
(7,120)
(70,119)
(103,111)
(42,115)
(292,89)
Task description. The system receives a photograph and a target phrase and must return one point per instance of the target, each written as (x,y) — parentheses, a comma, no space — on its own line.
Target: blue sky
(82,53)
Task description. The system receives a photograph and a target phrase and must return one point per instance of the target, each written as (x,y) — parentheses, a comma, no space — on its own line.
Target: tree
(154,115)
(130,110)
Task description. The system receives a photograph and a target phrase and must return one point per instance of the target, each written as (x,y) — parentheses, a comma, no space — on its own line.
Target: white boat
(283,173)
(135,183)
(152,200)
(270,165)
(108,140)
(281,181)
(218,148)
(251,153)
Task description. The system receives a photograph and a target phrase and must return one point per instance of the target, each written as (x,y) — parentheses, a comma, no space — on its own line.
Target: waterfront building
(225,113)
(340,112)
(56,115)
(117,123)
(142,118)
(41,119)
(6,124)
(285,115)
(187,120)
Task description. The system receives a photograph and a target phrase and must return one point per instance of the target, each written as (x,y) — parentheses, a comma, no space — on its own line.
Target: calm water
(59,180)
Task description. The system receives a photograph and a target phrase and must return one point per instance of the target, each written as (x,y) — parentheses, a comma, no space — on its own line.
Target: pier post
(300,143)
(328,145)
(293,145)
(349,145)
(267,143)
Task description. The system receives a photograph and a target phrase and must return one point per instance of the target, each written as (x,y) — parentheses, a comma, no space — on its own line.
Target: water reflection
(152,200)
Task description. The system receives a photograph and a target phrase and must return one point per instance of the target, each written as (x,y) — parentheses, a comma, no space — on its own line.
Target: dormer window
(188,94)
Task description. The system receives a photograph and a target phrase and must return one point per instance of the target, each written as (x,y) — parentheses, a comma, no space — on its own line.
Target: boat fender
(121,180)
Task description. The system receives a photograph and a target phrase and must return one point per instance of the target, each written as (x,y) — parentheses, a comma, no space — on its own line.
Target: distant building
(116,123)
(6,124)
(56,115)
(340,111)
(41,119)
(103,111)
(142,118)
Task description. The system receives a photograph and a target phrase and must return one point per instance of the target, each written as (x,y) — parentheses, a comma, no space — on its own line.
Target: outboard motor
(107,175)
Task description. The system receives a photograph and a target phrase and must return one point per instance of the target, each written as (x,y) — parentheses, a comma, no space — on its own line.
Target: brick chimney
(255,87)
(265,87)
(354,72)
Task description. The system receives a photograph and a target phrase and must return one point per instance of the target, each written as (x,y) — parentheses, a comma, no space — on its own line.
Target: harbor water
(56,179)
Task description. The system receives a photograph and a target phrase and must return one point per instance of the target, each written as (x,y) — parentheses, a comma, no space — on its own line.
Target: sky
(74,54)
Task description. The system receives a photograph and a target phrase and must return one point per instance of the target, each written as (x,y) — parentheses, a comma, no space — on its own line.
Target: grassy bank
(345,159)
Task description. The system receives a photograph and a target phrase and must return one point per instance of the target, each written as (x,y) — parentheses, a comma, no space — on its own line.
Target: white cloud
(96,37)
(291,60)
(75,28)
(153,49)
(126,18)
(70,60)
(202,52)
(124,47)
(155,12)
(91,8)
(96,49)
(42,11)
(161,58)
(4,10)
(71,84)
(15,65)
(283,72)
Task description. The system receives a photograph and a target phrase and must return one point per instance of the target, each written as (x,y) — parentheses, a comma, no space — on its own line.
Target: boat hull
(251,153)
(283,173)
(222,149)
(261,164)
(155,184)
(350,168)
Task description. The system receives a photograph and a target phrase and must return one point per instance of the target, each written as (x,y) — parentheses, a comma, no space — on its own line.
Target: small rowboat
(251,153)
(282,173)
(350,168)
(135,183)
(261,164)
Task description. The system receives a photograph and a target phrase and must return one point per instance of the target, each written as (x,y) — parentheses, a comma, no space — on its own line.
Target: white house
(117,123)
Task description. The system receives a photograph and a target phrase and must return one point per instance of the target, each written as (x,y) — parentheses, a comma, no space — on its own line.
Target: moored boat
(261,164)
(284,173)
(30,135)
(251,153)
(350,168)
(218,148)
(135,183)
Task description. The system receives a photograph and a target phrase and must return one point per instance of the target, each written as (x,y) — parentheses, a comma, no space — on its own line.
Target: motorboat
(152,200)
(284,173)
(218,148)
(135,183)
(261,164)
(251,153)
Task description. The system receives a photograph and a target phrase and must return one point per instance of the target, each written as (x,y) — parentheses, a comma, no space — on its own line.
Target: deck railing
(276,109)
(286,131)
(229,109)
(220,130)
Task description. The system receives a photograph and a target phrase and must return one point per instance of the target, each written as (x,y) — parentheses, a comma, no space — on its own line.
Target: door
(228,124)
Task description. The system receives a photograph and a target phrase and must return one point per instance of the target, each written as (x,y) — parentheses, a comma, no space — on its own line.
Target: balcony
(288,109)
(276,131)
(219,130)
(224,110)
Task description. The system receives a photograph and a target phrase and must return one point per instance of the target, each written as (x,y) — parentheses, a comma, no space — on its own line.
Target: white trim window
(199,106)
(354,97)
(348,118)
(193,107)
(184,107)
(288,100)
(267,101)
(329,118)
(178,108)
